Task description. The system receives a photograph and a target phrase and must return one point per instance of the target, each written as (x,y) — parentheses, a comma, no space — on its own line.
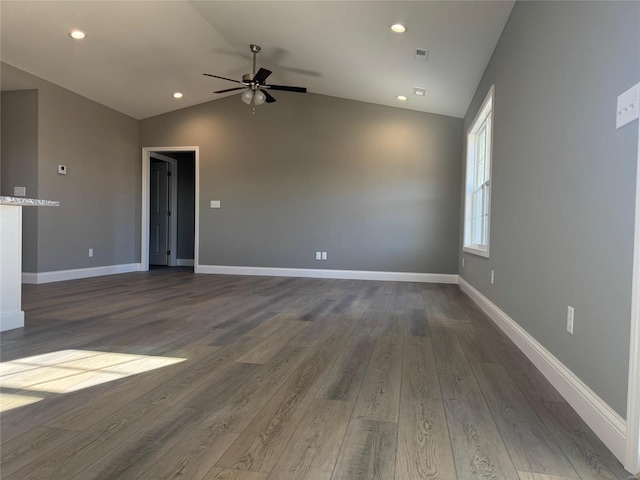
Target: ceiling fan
(254,86)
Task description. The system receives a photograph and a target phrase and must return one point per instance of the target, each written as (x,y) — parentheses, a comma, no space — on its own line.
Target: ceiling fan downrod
(248,77)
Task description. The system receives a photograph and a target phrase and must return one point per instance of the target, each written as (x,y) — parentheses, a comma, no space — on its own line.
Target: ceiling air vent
(422,55)
(420,91)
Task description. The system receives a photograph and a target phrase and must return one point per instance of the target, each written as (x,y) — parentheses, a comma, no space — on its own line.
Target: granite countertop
(28,202)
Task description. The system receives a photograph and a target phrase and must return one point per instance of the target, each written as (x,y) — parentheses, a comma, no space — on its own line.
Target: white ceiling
(137,53)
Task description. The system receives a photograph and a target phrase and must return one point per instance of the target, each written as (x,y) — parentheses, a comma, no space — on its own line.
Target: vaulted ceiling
(136,54)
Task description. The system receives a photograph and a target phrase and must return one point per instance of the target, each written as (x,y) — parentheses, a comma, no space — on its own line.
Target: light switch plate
(215,203)
(19,191)
(627,109)
(62,169)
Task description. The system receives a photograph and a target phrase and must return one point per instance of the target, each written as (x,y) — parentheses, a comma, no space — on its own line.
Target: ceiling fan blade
(261,76)
(229,90)
(287,88)
(224,78)
(269,99)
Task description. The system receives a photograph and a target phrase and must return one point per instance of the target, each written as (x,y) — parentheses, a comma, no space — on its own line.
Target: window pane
(477,231)
(478,183)
(476,210)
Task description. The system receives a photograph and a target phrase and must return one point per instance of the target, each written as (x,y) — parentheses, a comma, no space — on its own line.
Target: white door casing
(144,224)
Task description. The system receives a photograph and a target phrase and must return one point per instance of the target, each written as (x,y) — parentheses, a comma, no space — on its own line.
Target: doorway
(169,220)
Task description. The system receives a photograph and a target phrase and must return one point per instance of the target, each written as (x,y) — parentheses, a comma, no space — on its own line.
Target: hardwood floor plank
(212,394)
(478,448)
(588,456)
(313,449)
(417,323)
(530,445)
(227,474)
(379,396)
(85,448)
(528,377)
(311,335)
(30,446)
(419,372)
(89,413)
(241,407)
(143,447)
(475,348)
(345,378)
(450,358)
(270,326)
(272,344)
(424,450)
(199,373)
(541,476)
(262,442)
(192,458)
(368,451)
(21,420)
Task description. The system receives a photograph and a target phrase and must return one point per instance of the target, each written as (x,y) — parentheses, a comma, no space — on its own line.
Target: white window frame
(484,120)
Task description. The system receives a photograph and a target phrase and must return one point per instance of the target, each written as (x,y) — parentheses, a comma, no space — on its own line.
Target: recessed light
(398,28)
(402,98)
(77,35)
(177,95)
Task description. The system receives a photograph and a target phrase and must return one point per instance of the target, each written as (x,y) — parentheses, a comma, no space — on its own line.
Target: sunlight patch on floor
(67,371)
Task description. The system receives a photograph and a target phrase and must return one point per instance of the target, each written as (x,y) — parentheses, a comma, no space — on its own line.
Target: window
(477,205)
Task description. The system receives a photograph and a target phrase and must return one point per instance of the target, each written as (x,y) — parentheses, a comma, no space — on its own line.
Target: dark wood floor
(167,375)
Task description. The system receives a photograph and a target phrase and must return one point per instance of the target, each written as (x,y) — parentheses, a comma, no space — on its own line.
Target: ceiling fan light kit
(254,86)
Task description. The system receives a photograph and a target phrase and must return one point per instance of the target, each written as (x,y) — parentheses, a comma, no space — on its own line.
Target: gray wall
(99,194)
(375,187)
(19,161)
(564,183)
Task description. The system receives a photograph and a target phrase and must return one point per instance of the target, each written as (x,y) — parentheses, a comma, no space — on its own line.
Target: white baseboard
(337,274)
(610,427)
(61,275)
(184,262)
(9,321)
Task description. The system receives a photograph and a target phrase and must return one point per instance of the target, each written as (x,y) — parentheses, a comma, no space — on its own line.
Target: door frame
(632,462)
(173,206)
(144,217)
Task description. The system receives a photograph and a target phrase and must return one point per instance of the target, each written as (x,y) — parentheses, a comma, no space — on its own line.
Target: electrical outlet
(19,191)
(91,252)
(318,255)
(463,262)
(324,255)
(492,277)
(570,320)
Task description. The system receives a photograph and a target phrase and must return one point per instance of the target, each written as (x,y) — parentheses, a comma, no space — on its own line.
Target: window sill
(477,251)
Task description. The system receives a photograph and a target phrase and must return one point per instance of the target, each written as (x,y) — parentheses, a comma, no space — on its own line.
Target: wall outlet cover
(19,191)
(628,106)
